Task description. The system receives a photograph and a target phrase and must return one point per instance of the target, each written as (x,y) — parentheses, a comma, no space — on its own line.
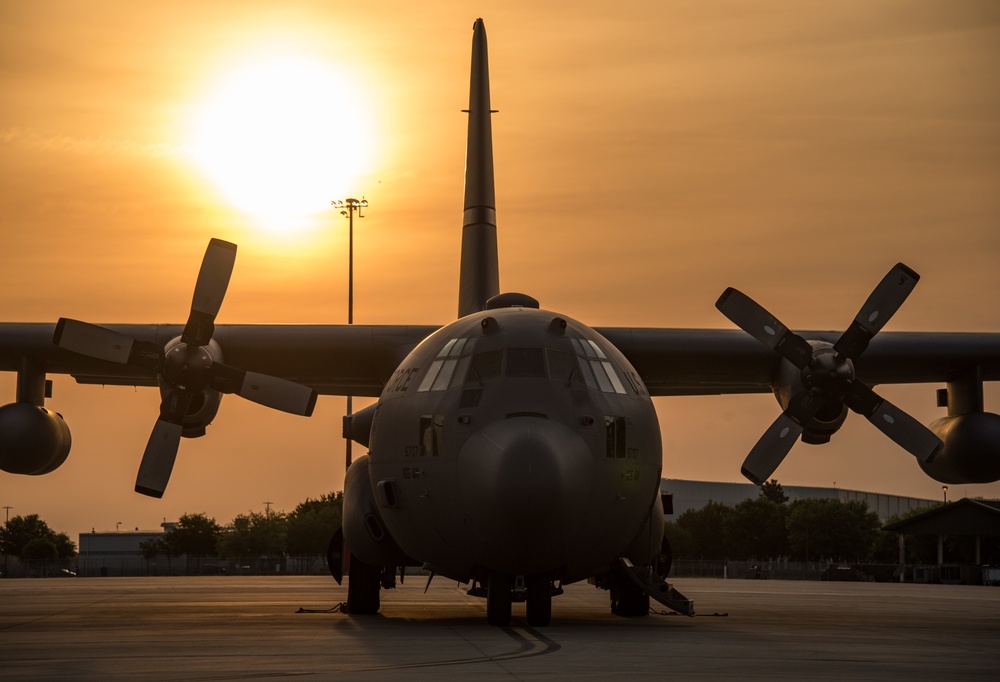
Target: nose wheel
(499,595)
(539,601)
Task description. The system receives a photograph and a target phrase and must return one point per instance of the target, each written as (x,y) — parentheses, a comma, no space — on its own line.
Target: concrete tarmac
(228,628)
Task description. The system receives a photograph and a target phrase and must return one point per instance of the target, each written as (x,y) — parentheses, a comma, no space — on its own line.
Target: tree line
(305,532)
(31,540)
(769,526)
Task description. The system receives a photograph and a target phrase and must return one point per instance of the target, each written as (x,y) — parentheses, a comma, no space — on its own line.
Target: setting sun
(279,136)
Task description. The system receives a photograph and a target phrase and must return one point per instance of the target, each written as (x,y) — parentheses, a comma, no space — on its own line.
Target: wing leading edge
(332,359)
(721,361)
(359,359)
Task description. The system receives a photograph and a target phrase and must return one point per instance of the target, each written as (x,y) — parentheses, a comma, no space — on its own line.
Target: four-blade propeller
(185,368)
(828,374)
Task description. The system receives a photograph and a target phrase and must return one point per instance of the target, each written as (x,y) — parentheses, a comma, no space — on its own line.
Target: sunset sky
(648,155)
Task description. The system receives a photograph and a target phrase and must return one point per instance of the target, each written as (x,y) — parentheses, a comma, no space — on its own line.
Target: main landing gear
(363,585)
(632,586)
(628,600)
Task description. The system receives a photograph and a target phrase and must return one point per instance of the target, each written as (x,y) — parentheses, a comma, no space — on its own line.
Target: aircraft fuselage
(517,441)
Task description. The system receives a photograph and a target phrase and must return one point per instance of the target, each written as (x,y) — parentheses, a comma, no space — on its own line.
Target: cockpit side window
(597,370)
(450,366)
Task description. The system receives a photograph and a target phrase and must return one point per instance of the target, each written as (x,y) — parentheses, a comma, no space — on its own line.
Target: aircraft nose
(524,483)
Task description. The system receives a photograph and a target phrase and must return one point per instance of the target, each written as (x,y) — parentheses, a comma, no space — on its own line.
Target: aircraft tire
(499,595)
(363,585)
(629,601)
(335,555)
(539,602)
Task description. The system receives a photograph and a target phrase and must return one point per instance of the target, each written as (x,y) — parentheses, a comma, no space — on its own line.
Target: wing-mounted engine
(789,383)
(189,370)
(205,402)
(826,384)
(34,440)
(971,436)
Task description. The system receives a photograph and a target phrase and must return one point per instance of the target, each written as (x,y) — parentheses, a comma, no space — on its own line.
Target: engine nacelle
(827,421)
(202,411)
(365,532)
(971,452)
(33,440)
(206,402)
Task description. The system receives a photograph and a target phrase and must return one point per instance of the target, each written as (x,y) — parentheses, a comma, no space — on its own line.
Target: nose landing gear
(502,590)
(499,595)
(539,600)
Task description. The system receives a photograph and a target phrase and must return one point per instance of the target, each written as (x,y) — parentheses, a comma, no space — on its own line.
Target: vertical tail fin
(480,270)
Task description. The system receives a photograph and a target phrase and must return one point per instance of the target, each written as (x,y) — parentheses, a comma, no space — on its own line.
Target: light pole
(944,489)
(347,208)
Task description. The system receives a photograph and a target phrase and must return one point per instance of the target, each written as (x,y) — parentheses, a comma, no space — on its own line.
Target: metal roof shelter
(966,517)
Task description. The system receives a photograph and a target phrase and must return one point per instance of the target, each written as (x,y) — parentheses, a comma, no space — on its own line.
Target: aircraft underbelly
(521,495)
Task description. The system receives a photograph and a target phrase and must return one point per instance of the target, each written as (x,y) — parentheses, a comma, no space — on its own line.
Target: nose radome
(523,480)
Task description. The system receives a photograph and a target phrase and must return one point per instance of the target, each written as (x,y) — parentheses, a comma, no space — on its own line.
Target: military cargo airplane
(515,449)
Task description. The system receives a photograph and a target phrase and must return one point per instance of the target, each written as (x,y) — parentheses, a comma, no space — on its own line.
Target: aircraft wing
(718,361)
(332,359)
(359,359)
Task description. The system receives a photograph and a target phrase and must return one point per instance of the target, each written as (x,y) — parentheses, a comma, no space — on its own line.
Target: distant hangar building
(696,494)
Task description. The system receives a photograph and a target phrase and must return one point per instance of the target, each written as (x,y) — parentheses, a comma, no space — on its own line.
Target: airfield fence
(766,569)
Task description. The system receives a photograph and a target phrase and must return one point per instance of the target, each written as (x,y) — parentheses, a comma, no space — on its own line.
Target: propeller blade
(93,341)
(209,291)
(158,459)
(771,449)
(881,305)
(263,389)
(903,429)
(752,318)
(279,394)
(102,343)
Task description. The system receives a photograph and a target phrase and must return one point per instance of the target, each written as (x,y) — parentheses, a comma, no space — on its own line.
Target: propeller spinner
(185,367)
(828,374)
